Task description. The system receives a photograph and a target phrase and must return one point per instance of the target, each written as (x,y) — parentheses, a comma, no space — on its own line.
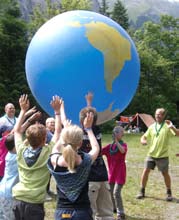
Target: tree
(68,5)
(104,8)
(41,13)
(13,45)
(158,51)
(119,14)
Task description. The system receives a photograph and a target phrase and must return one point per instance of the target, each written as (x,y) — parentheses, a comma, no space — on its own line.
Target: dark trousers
(73,214)
(28,211)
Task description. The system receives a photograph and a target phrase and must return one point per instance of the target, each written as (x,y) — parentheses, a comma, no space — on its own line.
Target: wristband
(87,129)
(57,113)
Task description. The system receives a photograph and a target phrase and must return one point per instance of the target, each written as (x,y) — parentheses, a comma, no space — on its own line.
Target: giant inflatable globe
(81,51)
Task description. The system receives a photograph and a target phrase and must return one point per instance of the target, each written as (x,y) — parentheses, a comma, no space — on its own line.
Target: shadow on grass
(136,218)
(175,200)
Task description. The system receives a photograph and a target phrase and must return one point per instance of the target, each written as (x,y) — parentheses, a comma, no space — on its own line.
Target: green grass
(154,206)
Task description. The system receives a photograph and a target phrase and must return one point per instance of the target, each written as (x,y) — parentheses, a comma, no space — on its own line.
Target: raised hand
(56,103)
(143,141)
(88,121)
(24,102)
(169,123)
(34,117)
(31,111)
(66,123)
(89,98)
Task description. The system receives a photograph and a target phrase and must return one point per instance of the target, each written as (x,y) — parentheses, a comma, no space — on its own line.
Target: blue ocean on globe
(81,51)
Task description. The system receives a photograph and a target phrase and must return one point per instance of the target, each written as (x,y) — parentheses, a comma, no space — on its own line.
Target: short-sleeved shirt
(33,179)
(11,176)
(159,141)
(5,120)
(116,164)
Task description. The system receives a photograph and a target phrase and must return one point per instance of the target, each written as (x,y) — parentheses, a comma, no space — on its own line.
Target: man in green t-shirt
(158,155)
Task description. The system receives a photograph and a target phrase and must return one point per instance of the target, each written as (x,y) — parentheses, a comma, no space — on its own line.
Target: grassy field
(154,206)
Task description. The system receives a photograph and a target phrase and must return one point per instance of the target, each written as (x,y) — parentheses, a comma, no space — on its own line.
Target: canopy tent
(139,120)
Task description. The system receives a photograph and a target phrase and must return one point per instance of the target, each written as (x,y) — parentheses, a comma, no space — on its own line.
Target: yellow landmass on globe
(107,114)
(116,51)
(115,48)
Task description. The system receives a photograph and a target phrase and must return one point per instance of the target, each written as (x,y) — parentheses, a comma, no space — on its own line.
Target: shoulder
(106,147)
(168,130)
(3,121)
(125,147)
(48,147)
(152,126)
(3,118)
(49,136)
(86,158)
(20,145)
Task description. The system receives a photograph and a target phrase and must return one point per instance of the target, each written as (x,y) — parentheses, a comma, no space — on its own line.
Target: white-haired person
(9,118)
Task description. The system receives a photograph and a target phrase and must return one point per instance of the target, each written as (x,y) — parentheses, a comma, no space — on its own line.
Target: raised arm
(56,103)
(120,147)
(24,106)
(89,99)
(34,117)
(65,122)
(172,127)
(87,124)
(30,111)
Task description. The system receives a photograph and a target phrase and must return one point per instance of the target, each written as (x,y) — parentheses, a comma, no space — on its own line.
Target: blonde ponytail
(71,139)
(69,155)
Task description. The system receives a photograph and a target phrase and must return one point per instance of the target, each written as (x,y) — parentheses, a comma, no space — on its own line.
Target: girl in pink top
(116,154)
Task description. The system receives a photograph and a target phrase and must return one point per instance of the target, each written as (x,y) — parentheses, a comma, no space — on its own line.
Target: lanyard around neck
(10,121)
(158,130)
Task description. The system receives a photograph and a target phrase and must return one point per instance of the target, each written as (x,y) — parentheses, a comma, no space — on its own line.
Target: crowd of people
(31,152)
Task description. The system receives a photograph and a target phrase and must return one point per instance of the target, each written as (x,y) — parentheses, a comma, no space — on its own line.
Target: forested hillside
(156,42)
(138,11)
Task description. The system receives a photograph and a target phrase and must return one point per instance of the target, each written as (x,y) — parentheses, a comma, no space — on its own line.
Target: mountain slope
(139,11)
(142,10)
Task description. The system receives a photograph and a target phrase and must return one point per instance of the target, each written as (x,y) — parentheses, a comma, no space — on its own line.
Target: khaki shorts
(161,163)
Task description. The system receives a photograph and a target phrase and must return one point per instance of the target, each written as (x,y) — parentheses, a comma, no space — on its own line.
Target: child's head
(86,110)
(5,130)
(36,135)
(118,132)
(9,142)
(71,139)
